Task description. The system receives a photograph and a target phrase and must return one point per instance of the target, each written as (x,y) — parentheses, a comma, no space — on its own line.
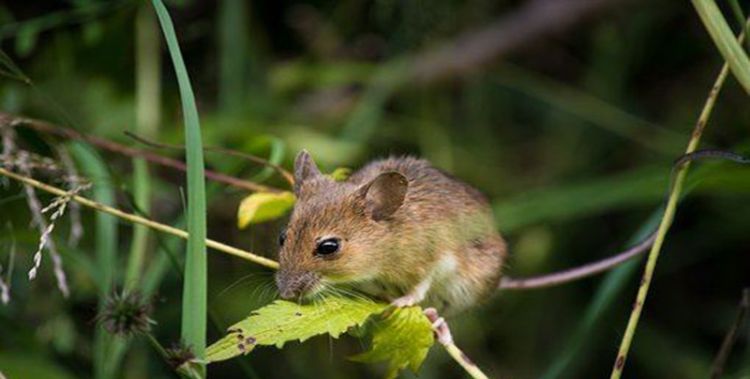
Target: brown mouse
(398,229)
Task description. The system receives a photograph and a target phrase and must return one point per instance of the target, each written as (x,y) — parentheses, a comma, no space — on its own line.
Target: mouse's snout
(295,284)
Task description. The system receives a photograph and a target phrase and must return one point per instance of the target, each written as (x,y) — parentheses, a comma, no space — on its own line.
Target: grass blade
(194,286)
(725,40)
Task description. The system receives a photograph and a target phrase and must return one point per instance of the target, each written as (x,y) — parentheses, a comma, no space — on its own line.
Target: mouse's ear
(304,169)
(384,194)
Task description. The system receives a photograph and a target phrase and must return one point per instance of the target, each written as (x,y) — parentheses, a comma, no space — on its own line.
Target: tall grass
(194,297)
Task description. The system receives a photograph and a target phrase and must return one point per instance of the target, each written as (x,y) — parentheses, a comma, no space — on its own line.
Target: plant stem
(224,248)
(666,222)
(459,356)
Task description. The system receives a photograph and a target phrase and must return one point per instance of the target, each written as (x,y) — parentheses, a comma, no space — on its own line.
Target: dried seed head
(180,357)
(126,314)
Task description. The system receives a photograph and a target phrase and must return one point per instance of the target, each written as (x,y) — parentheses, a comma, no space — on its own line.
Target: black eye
(282,237)
(328,246)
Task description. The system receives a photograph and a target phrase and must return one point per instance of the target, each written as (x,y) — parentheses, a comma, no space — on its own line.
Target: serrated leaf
(284,321)
(263,206)
(402,339)
(340,174)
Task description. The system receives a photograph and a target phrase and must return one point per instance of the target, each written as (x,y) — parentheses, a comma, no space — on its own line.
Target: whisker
(236,283)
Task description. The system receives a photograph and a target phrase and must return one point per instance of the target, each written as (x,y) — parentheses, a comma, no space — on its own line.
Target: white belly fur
(448,291)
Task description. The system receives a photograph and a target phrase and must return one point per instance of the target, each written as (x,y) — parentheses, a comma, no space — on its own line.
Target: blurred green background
(567,114)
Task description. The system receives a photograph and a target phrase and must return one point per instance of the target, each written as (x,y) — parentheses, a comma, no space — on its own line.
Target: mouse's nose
(292,285)
(286,291)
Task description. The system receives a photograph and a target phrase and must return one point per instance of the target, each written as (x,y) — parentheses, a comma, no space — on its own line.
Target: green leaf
(341,174)
(277,149)
(263,206)
(283,321)
(402,339)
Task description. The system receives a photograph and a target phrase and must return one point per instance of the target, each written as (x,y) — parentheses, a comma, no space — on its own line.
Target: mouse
(398,230)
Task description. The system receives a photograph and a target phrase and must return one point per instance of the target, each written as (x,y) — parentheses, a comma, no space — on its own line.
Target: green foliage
(264,206)
(340,174)
(402,339)
(277,149)
(284,321)
(17,365)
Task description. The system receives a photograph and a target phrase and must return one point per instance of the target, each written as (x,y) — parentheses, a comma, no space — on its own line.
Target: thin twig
(717,368)
(141,220)
(666,222)
(252,158)
(115,147)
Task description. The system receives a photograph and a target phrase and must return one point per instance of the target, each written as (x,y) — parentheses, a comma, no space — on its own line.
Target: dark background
(568,117)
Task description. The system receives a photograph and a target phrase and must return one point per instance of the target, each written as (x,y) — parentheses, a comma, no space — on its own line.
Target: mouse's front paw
(405,301)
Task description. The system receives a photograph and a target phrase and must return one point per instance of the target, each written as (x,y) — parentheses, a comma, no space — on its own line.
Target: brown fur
(443,229)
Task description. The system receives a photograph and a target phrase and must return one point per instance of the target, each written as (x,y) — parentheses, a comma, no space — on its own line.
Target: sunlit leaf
(401,339)
(341,174)
(263,206)
(283,321)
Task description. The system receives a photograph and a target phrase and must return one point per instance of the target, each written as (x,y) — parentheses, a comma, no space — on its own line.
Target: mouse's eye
(282,237)
(328,246)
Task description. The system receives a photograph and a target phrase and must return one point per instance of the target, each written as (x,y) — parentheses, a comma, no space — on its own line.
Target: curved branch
(118,148)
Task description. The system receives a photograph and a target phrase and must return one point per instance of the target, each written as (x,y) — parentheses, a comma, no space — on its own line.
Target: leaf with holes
(263,206)
(402,339)
(283,321)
